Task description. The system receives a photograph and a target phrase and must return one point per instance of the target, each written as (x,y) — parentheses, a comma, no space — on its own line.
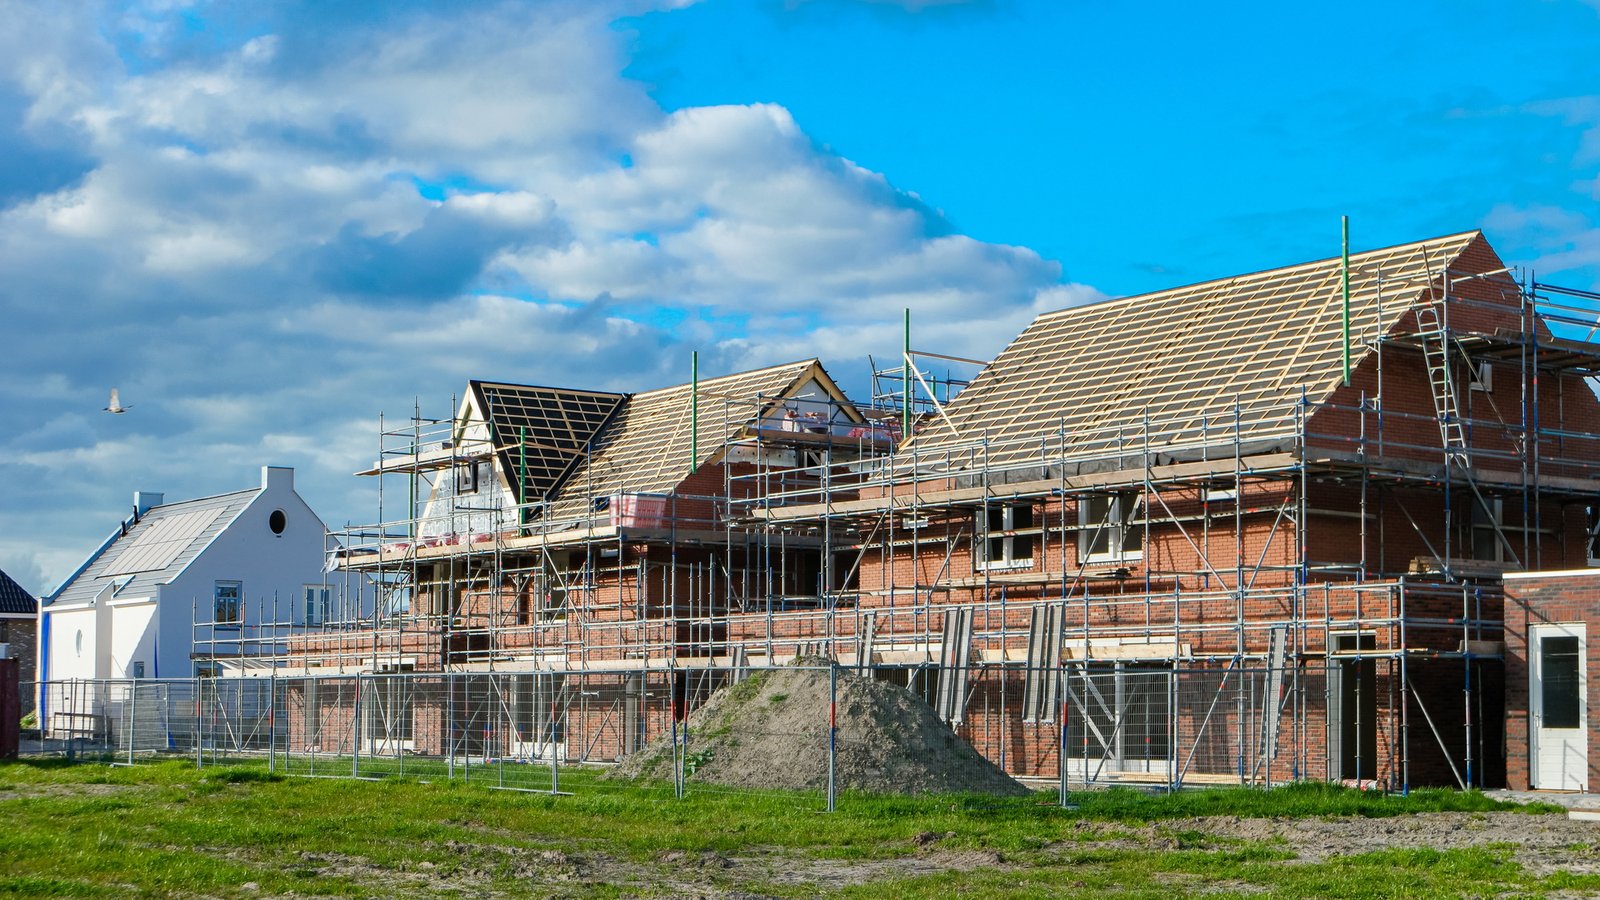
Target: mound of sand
(771,730)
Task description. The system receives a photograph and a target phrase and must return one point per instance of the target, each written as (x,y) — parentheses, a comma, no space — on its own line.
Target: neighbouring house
(174,575)
(19,630)
(1552,701)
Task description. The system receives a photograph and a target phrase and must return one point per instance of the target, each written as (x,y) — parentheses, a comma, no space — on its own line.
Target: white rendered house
(210,569)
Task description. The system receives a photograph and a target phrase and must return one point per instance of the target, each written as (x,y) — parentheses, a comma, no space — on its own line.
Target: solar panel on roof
(161,541)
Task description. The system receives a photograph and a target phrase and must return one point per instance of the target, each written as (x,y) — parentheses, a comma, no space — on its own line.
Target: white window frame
(1591,535)
(1116,529)
(1008,558)
(314,598)
(1497,510)
(1480,375)
(238,604)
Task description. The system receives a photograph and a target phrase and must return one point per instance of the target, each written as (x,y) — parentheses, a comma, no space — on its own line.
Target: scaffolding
(1317,599)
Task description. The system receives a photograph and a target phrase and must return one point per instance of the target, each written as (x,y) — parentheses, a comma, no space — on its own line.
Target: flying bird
(116,404)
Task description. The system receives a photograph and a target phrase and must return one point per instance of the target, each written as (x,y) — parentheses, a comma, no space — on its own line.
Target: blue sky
(267,223)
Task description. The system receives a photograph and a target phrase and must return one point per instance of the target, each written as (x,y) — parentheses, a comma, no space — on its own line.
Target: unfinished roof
(155,549)
(648,448)
(1183,358)
(540,431)
(14,599)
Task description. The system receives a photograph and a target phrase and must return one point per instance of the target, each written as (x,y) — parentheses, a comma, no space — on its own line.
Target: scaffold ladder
(1436,354)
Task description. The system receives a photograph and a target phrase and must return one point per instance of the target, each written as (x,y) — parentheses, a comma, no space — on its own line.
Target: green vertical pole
(905,381)
(694,410)
(1344,225)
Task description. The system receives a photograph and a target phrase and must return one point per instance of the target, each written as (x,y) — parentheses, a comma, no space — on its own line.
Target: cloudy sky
(268,223)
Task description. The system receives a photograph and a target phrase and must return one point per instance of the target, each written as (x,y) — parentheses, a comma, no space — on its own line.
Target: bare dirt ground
(559,873)
(1543,843)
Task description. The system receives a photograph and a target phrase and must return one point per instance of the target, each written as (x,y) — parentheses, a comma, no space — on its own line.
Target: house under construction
(1249,530)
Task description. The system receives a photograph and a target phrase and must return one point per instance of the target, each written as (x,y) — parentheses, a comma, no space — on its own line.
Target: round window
(277,521)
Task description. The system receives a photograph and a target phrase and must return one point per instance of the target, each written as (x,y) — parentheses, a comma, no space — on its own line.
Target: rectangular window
(315,598)
(137,669)
(1560,681)
(533,706)
(1003,547)
(1108,531)
(1592,540)
(1119,715)
(226,603)
(1486,519)
(1482,375)
(467,478)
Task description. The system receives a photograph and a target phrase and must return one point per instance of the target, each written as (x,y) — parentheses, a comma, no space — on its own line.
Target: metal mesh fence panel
(1104,722)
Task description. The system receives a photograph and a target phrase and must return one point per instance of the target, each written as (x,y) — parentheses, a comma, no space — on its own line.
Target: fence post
(1061,752)
(195,692)
(133,711)
(555,777)
(833,734)
(272,723)
(449,727)
(677,757)
(355,732)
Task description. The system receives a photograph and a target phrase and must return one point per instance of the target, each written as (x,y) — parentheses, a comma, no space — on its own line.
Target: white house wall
(441,514)
(132,637)
(272,569)
(73,643)
(463,515)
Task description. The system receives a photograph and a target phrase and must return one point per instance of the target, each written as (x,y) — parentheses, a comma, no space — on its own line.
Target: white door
(1557,695)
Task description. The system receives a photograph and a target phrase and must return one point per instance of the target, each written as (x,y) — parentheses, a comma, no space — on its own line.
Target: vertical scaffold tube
(1344,277)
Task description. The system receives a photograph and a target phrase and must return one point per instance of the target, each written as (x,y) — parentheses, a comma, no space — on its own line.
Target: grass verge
(167,828)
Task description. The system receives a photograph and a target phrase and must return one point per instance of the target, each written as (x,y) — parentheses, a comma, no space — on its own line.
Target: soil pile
(771,730)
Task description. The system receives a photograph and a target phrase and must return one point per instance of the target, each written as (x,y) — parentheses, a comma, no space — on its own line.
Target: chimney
(144,500)
(277,477)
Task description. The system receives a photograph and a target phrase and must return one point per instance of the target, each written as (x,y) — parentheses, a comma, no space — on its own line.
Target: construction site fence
(1148,723)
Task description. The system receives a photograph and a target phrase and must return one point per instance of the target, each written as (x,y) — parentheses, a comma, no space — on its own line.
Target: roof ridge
(483,383)
(165,506)
(799,363)
(1278,271)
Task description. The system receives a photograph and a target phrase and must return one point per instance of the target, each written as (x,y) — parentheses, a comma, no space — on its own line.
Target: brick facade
(1360,537)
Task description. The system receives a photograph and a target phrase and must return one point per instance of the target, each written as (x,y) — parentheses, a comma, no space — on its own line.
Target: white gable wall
(74,642)
(272,568)
(447,512)
(812,399)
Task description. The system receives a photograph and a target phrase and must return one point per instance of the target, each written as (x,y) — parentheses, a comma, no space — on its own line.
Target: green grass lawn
(167,828)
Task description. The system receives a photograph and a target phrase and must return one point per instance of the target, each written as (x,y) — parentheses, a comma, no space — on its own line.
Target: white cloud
(271,242)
